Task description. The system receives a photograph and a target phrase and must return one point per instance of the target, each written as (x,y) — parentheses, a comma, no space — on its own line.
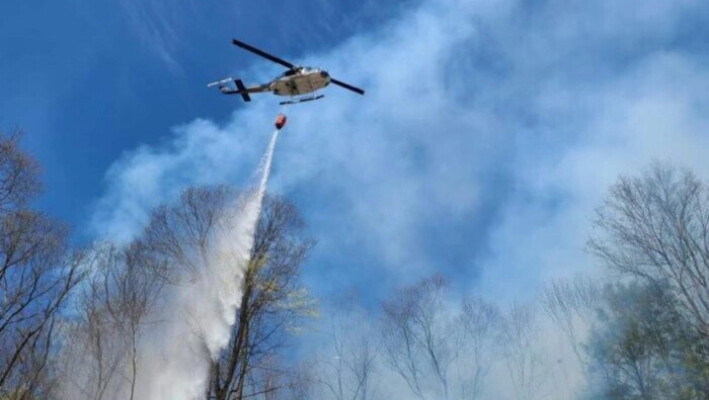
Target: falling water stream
(206,309)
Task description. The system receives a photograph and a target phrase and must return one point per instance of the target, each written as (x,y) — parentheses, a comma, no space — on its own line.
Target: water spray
(206,308)
(197,317)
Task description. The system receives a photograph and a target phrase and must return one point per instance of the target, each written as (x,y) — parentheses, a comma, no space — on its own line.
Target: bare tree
(525,362)
(130,289)
(95,350)
(19,175)
(37,273)
(361,363)
(481,323)
(177,236)
(570,305)
(419,337)
(348,366)
(266,382)
(656,227)
(299,384)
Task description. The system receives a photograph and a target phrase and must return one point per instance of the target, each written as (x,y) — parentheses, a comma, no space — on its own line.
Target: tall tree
(641,348)
(420,337)
(655,227)
(526,364)
(272,304)
(348,364)
(570,305)
(37,273)
(101,341)
(482,325)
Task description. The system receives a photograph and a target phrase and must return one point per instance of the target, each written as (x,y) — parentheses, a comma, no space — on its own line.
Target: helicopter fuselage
(300,81)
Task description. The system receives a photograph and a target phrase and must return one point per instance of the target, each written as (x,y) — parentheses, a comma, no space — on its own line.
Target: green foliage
(642,348)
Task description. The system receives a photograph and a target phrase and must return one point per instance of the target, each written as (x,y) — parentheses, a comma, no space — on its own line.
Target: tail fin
(242,90)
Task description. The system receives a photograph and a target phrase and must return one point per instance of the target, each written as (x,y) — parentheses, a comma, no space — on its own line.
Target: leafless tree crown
(37,273)
(656,227)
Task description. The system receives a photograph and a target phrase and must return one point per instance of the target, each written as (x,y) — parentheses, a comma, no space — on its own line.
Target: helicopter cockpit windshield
(289,72)
(295,71)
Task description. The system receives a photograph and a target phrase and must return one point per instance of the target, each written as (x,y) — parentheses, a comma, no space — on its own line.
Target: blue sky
(489,132)
(89,80)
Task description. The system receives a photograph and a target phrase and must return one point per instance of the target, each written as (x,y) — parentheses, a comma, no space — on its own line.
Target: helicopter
(295,81)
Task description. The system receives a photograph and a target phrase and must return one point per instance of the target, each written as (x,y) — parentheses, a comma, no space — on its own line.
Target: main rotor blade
(347,86)
(262,53)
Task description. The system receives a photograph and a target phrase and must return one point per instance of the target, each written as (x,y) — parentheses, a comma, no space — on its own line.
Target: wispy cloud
(158,25)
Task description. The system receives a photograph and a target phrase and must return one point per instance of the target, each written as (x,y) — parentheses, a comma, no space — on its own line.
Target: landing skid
(302,100)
